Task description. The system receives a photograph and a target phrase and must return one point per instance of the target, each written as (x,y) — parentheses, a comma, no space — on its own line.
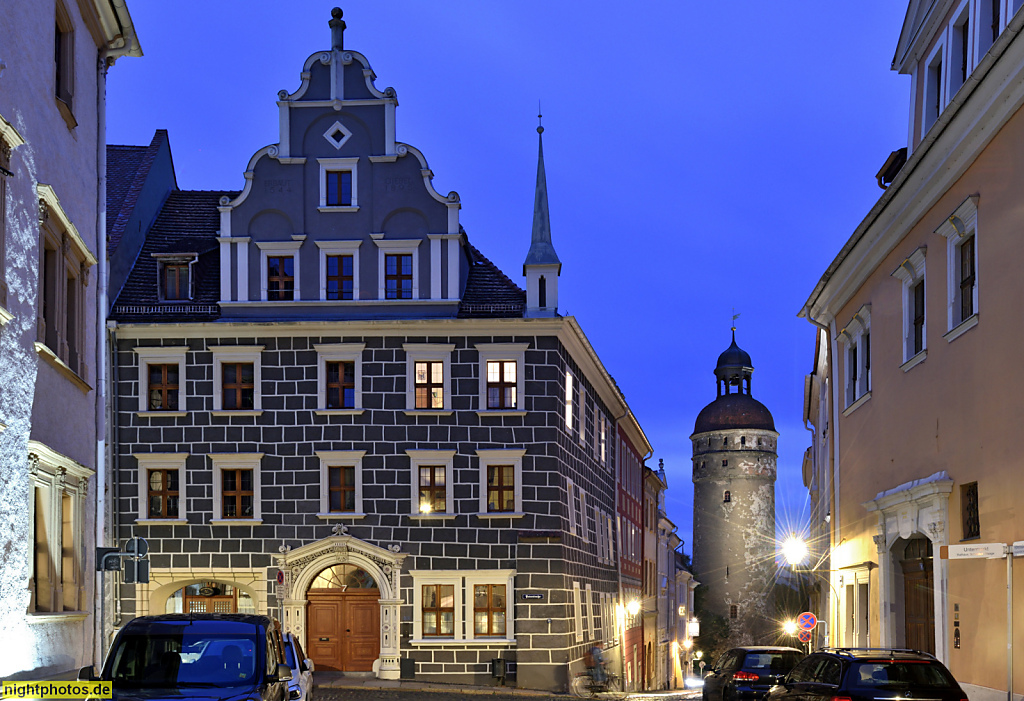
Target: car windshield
(289,655)
(900,674)
(771,661)
(185,658)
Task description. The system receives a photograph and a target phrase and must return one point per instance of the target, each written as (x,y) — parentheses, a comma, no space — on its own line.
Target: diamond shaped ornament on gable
(337,135)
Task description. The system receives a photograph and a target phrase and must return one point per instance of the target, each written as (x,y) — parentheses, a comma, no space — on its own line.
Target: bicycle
(584,685)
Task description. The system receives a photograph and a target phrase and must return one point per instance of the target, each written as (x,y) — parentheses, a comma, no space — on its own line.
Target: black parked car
(197,656)
(749,672)
(868,674)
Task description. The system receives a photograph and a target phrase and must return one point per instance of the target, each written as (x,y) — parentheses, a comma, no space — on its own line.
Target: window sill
(50,357)
(161,413)
(432,517)
(232,412)
(463,641)
(338,209)
(962,328)
(65,112)
(236,521)
(916,360)
(501,514)
(5,316)
(857,404)
(427,412)
(338,412)
(57,617)
(340,514)
(501,412)
(161,522)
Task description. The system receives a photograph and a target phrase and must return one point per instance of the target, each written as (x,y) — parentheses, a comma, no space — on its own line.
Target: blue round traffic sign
(806,621)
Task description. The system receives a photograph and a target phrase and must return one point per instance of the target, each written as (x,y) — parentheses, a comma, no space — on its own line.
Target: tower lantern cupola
(542,266)
(734,370)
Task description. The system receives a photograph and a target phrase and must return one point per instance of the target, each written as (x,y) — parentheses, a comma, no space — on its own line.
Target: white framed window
(582,437)
(603,439)
(437,611)
(161,481)
(990,23)
(279,269)
(454,605)
(589,603)
(431,474)
(339,184)
(961,58)
(237,377)
(570,494)
(501,483)
(428,383)
(339,270)
(569,380)
(599,520)
(58,488)
(856,342)
(236,487)
(934,87)
(341,484)
(339,378)
(490,600)
(915,339)
(162,380)
(960,231)
(581,513)
(398,268)
(577,600)
(176,280)
(502,377)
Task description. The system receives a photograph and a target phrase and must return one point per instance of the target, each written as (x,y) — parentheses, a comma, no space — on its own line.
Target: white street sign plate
(978,550)
(1018,548)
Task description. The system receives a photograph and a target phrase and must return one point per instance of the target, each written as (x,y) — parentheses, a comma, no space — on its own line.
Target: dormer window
(175,276)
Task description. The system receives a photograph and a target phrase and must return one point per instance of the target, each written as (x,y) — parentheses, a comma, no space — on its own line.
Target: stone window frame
(418,458)
(436,352)
(960,227)
(934,86)
(338,248)
(421,578)
(570,487)
(282,249)
(161,355)
(335,165)
(569,418)
(340,458)
(386,247)
(160,461)
(490,352)
(512,457)
(58,476)
(236,461)
(237,354)
(577,599)
(910,272)
(856,336)
(506,577)
(588,605)
(338,352)
(64,75)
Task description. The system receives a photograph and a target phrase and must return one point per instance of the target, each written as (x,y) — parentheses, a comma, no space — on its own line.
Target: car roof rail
(878,649)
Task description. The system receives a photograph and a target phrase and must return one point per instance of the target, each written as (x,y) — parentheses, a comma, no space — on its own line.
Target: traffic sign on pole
(806,621)
(804,636)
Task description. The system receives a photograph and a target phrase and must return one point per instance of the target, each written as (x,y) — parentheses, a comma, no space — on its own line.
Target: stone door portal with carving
(344,619)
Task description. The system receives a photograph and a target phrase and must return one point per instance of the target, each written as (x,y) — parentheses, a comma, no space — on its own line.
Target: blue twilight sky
(701,156)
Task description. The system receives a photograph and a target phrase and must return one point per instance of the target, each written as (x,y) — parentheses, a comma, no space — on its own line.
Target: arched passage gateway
(340,598)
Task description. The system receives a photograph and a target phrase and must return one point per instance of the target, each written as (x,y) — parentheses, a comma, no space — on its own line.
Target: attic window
(174,276)
(337,135)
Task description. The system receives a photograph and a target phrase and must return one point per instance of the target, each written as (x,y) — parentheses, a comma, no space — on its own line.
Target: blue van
(197,656)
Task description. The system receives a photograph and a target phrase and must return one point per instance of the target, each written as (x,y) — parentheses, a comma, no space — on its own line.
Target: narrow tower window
(542,292)
(727,497)
(734,611)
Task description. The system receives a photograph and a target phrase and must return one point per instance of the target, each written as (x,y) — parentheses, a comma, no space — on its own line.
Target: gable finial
(540,119)
(735,316)
(337,25)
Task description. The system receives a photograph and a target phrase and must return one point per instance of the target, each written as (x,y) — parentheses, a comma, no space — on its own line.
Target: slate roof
(188,222)
(489,294)
(127,169)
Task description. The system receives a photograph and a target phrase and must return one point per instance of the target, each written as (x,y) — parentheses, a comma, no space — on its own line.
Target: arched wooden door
(919,595)
(343,620)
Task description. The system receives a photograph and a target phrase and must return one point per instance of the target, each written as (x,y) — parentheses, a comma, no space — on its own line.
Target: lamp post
(795,551)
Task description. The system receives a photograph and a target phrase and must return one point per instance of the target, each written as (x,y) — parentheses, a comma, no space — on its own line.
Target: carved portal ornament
(33,464)
(879,542)
(44,211)
(60,478)
(936,531)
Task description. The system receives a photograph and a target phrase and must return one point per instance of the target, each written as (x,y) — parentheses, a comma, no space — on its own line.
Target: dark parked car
(197,656)
(749,672)
(866,674)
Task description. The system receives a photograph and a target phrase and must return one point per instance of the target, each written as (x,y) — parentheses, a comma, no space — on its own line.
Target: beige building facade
(53,62)
(916,390)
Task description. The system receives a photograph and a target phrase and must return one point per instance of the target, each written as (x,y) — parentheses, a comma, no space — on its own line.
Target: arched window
(727,497)
(343,577)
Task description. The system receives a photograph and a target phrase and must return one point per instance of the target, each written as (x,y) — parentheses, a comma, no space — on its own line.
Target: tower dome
(734,407)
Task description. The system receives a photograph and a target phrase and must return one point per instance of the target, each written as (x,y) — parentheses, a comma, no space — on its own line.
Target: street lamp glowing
(687,643)
(633,607)
(789,627)
(794,549)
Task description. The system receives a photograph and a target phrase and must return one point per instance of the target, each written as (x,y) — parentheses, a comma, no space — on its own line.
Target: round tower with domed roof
(734,463)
